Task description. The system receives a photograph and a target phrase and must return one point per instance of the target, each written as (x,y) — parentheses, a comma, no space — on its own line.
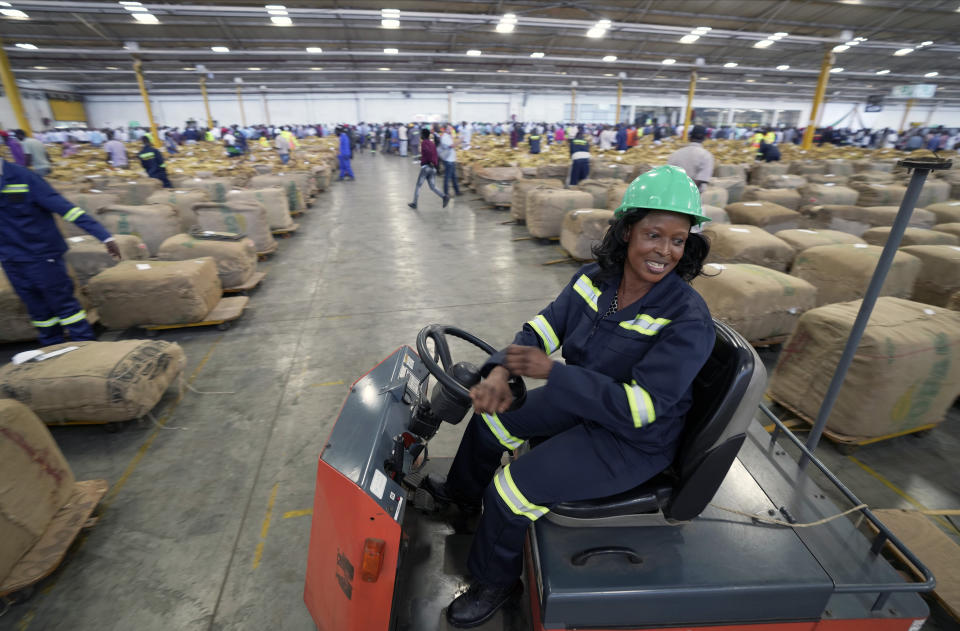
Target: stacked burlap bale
(305,182)
(87,256)
(734,185)
(497,194)
(529,173)
(521,189)
(759,303)
(37,482)
(274,200)
(842,272)
(322,177)
(871,177)
(807,167)
(803,238)
(730,170)
(784,181)
(99,381)
(156,292)
(236,260)
(933,192)
(827,178)
(546,209)
(247,218)
(911,236)
(767,215)
(950,228)
(615,195)
(92,204)
(182,201)
(215,187)
(788,197)
(717,215)
(872,194)
(741,243)
(714,196)
(296,197)
(951,177)
(762,170)
(882,166)
(553,171)
(954,302)
(134,192)
(602,170)
(263,169)
(827,194)
(839,166)
(905,374)
(582,230)
(494,175)
(600,190)
(945,212)
(939,276)
(69,189)
(858,219)
(153,223)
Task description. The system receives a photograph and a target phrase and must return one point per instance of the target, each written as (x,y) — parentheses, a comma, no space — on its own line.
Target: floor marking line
(265,528)
(327,383)
(298,513)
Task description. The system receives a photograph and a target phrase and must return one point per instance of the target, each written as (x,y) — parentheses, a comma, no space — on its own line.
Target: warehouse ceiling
(777,46)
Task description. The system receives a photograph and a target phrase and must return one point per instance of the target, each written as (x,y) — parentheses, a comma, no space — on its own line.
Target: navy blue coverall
(534,143)
(613,412)
(31,253)
(580,153)
(152,161)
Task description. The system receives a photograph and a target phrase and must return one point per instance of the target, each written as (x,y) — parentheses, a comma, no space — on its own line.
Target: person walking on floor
(32,249)
(35,153)
(580,155)
(402,138)
(116,152)
(152,161)
(449,154)
(428,169)
(695,161)
(345,155)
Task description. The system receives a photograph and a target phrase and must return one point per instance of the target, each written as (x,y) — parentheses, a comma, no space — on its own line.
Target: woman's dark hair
(611,253)
(424,133)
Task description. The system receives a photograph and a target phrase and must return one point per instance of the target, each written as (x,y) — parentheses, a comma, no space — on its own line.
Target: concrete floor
(206,525)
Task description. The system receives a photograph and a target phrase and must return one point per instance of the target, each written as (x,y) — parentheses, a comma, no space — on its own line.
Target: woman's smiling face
(655,245)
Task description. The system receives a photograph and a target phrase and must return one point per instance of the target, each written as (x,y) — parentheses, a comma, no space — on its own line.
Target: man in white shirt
(607,138)
(402,139)
(449,157)
(466,133)
(694,159)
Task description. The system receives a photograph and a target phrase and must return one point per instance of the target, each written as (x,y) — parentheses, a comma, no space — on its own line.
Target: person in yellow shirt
(756,139)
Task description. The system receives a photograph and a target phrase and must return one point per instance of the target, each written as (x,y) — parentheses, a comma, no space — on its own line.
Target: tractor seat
(726,393)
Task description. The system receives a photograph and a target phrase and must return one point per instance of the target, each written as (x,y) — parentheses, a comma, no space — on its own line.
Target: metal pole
(266,109)
(13,93)
(138,70)
(450,107)
(243,116)
(817,99)
(906,112)
(206,101)
(689,113)
(619,96)
(920,173)
(573,106)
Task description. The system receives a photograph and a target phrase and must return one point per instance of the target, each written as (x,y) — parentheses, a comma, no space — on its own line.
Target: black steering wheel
(438,333)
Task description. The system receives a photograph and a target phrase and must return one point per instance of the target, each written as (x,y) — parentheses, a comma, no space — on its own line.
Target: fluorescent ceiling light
(509,17)
(449,69)
(281,21)
(502,70)
(135,9)
(40,68)
(859,39)
(610,58)
(390,13)
(903,51)
(701,30)
(189,68)
(931,74)
(391,23)
(596,32)
(284,12)
(853,42)
(841,48)
(5,4)
(473,52)
(704,79)
(764,43)
(779,35)
(314,49)
(608,74)
(391,51)
(926,43)
(384,69)
(505,27)
(254,68)
(220,49)
(126,3)
(836,70)
(668,61)
(112,68)
(146,18)
(689,39)
(730,64)
(275,7)
(316,68)
(783,67)
(537,55)
(14,13)
(883,72)
(27,46)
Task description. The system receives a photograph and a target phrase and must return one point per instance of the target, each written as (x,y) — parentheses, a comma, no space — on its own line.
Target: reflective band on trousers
(147,156)
(585,287)
(550,340)
(514,499)
(15,188)
(73,214)
(42,324)
(78,316)
(503,436)
(645,325)
(641,405)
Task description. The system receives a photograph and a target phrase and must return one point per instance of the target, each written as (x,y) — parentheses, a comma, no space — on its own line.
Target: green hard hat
(663,188)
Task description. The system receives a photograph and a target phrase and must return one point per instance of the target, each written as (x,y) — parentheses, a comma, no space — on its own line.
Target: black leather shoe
(446,200)
(478,604)
(437,487)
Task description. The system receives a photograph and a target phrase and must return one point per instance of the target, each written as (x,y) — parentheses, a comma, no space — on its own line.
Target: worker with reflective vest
(152,161)
(535,139)
(756,139)
(32,249)
(634,334)
(580,155)
(770,137)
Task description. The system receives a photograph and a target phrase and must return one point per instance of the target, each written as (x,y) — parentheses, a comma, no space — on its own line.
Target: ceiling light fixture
(608,74)
(188,68)
(599,29)
(390,18)
(883,72)
(763,43)
(15,14)
(507,23)
(730,64)
(778,35)
(40,68)
(277,12)
(537,55)
(689,39)
(281,21)
(926,43)
(146,18)
(841,48)
(502,70)
(449,69)
(133,9)
(27,46)
(701,30)
(669,61)
(836,70)
(254,68)
(473,52)
(903,51)
(391,51)
(783,67)
(314,50)
(931,74)
(609,58)
(316,68)
(384,69)
(220,49)
(112,68)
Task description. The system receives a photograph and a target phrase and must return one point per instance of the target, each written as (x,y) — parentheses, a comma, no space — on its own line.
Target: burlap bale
(905,374)
(939,276)
(933,192)
(547,207)
(714,196)
(945,212)
(182,201)
(738,171)
(68,189)
(215,187)
(839,166)
(100,381)
(305,181)
(88,257)
(583,229)
(954,302)
(842,272)
(762,170)
(273,199)
(37,482)
(238,217)
(153,223)
(600,170)
(878,194)
(952,177)
(871,177)
(322,177)
(497,194)
(866,165)
(236,260)
(156,292)
(950,228)
(784,181)
(759,303)
(787,197)
(827,178)
(263,169)
(296,196)
(767,215)
(735,187)
(802,238)
(741,243)
(807,167)
(134,192)
(93,203)
(529,173)
(600,190)
(615,195)
(521,189)
(15,323)
(823,194)
(492,175)
(553,171)
(911,236)
(716,214)
(858,219)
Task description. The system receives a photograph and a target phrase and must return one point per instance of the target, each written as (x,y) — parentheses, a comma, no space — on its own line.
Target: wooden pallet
(296,213)
(47,553)
(286,233)
(769,341)
(254,280)
(226,311)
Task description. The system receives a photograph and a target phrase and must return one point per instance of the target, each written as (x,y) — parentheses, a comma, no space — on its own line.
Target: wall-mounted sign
(919,91)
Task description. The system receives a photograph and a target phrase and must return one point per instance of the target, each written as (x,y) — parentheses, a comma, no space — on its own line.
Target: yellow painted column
(243,116)
(688,116)
(138,70)
(573,105)
(818,99)
(619,96)
(206,101)
(13,93)
(906,113)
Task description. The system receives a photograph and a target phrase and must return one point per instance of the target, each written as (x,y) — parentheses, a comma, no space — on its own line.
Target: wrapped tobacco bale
(954,302)
(305,181)
(182,201)
(730,170)
(612,170)
(215,187)
(939,277)
(153,223)
(767,215)
(583,229)
(236,260)
(93,203)
(714,196)
(97,381)
(763,170)
(87,256)
(784,181)
(322,176)
(520,191)
(156,292)
(716,214)
(933,192)
(238,217)
(905,374)
(858,219)
(600,190)
(952,177)
(553,171)
(741,243)
(787,197)
(839,166)
(273,199)
(758,302)
(134,192)
(911,236)
(735,187)
(945,212)
(546,209)
(842,272)
(615,195)
(950,228)
(492,175)
(827,178)
(497,194)
(879,194)
(807,167)
(871,177)
(882,166)
(802,238)
(529,173)
(296,196)
(824,194)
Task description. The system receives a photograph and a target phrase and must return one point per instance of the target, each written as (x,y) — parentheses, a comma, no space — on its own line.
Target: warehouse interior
(202,436)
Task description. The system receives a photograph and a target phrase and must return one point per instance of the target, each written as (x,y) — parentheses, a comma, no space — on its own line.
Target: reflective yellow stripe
(45,323)
(73,214)
(504,437)
(585,287)
(641,405)
(147,156)
(514,499)
(78,316)
(15,188)
(645,324)
(550,340)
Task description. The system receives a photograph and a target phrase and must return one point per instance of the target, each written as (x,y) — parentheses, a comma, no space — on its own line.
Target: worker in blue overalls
(152,161)
(580,157)
(634,335)
(534,140)
(345,154)
(32,249)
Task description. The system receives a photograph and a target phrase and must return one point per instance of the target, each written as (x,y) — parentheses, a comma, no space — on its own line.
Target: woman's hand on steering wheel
(528,361)
(492,395)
